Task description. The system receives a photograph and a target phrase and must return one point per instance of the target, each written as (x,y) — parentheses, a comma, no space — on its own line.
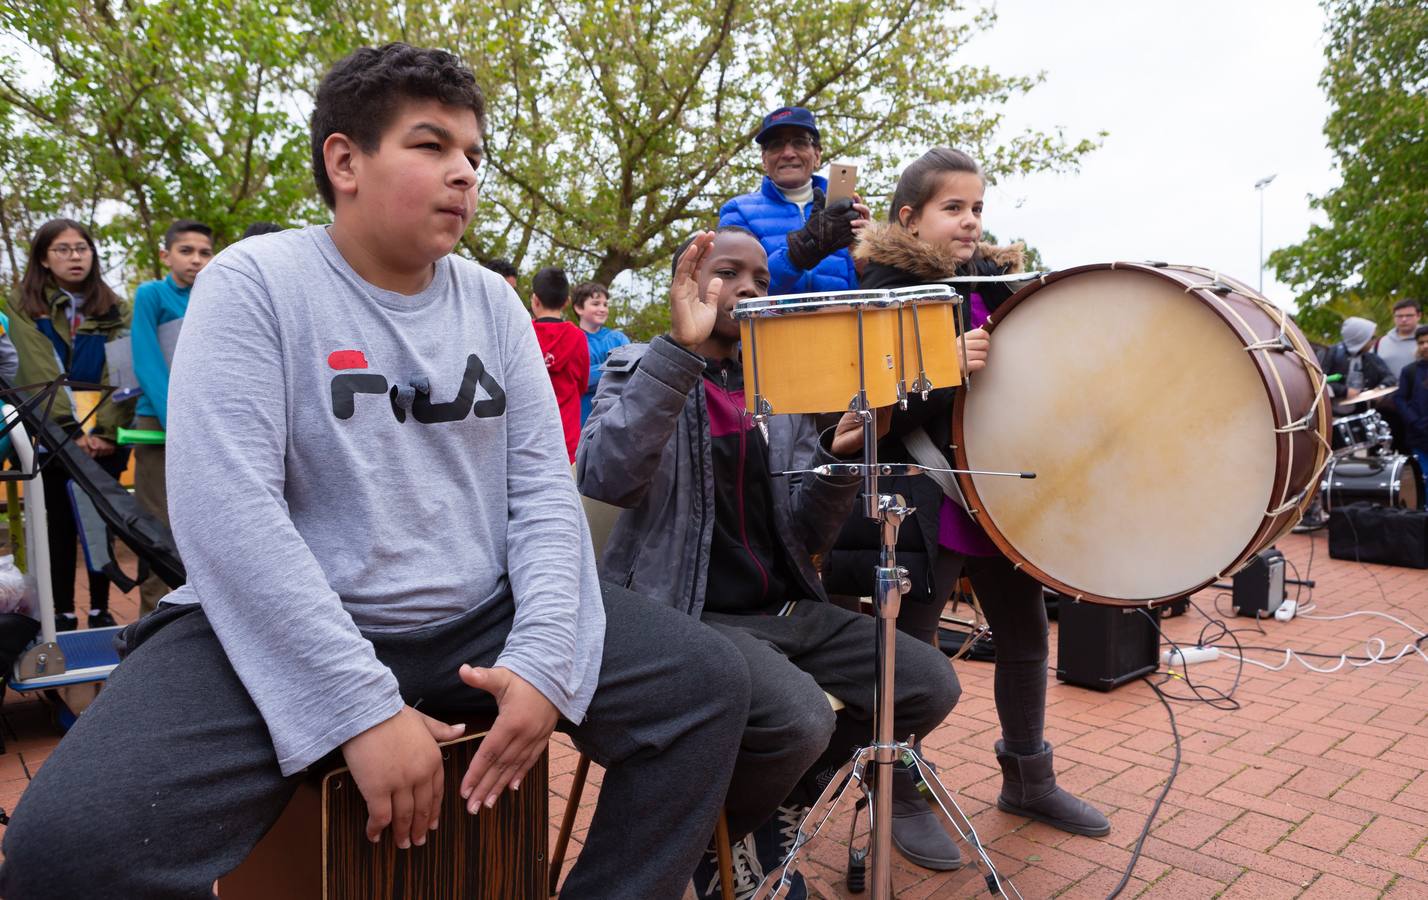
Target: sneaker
(774,840)
(101,619)
(747,873)
(66,622)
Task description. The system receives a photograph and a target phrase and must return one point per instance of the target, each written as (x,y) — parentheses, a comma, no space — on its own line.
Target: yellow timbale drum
(814,353)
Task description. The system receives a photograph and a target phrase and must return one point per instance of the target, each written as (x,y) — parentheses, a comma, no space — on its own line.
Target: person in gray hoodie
(720,524)
(1359,368)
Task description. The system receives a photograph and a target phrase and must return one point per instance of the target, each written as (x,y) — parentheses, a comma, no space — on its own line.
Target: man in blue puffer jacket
(805,239)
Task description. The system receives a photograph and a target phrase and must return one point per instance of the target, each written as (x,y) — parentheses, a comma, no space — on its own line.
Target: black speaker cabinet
(1258,588)
(1102,647)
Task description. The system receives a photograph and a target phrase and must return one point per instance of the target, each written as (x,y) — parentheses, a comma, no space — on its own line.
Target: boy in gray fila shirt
(371,495)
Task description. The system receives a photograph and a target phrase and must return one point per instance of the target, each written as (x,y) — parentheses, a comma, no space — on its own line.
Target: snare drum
(813,353)
(1176,421)
(1362,431)
(1385,480)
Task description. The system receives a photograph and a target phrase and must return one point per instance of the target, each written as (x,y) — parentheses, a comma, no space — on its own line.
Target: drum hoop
(832,301)
(1272,384)
(927,293)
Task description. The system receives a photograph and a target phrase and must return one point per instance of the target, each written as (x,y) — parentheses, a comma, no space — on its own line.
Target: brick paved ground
(1317,787)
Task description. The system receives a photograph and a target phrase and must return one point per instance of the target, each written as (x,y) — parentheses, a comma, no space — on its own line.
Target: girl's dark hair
(96,298)
(585,290)
(920,180)
(361,93)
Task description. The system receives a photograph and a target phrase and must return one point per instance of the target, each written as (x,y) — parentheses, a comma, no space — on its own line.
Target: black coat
(1411,401)
(896,259)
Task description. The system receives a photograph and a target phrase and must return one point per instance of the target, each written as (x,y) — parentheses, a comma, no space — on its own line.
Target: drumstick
(892,469)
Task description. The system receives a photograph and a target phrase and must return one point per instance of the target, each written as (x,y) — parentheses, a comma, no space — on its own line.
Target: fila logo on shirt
(349,383)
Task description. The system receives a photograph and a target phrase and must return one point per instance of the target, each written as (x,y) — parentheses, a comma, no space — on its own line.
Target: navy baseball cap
(796,116)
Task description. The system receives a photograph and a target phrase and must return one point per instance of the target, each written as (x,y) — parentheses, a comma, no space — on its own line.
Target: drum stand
(871,768)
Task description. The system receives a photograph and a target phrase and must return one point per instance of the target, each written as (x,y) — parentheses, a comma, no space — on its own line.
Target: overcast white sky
(1201,100)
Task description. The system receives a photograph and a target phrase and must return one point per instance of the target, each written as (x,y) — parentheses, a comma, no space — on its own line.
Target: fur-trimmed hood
(887,246)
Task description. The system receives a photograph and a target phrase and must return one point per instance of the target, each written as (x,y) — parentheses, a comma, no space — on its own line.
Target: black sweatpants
(792,660)
(169,779)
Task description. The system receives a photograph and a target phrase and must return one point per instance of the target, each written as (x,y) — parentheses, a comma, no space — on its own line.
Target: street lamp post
(1260,186)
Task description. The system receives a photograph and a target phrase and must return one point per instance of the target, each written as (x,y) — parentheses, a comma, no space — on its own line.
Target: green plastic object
(140,436)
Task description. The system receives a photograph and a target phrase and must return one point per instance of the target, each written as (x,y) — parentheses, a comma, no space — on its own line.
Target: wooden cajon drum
(318,848)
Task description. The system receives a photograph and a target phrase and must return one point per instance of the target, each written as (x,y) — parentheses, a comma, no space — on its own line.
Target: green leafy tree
(616,129)
(1375,247)
(165,109)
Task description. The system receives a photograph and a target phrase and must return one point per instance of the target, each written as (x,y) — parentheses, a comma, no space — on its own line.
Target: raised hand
(397,767)
(691,316)
(516,740)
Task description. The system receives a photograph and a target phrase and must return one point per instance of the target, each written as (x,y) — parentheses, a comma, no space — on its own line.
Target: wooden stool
(318,848)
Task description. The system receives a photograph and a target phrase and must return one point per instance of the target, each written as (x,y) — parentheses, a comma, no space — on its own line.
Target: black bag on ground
(1366,532)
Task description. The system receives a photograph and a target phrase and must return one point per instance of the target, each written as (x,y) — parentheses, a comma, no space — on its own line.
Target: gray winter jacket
(646,448)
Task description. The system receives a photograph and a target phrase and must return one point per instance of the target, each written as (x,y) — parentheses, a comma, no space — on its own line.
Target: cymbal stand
(871,767)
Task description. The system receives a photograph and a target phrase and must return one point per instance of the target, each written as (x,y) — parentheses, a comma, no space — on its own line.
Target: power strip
(1187,655)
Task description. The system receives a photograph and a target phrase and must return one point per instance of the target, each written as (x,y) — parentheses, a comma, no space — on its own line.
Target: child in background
(592,304)
(188,246)
(61,319)
(567,357)
(1411,401)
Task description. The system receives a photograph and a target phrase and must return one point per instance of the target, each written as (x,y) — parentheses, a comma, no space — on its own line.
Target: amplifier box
(1102,647)
(1258,588)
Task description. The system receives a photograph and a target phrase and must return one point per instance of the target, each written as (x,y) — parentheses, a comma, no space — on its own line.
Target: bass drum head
(1149,428)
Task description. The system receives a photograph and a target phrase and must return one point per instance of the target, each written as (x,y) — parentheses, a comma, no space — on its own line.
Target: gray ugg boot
(1029,789)
(917,831)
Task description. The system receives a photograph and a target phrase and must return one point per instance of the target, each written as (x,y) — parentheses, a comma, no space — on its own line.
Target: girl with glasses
(60,320)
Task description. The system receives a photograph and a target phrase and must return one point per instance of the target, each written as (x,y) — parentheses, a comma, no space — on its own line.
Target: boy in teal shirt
(188,246)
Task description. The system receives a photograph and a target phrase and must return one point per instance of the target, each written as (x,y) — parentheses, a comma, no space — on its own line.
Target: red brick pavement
(1316,787)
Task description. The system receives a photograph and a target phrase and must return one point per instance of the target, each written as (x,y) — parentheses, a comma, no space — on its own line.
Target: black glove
(827,230)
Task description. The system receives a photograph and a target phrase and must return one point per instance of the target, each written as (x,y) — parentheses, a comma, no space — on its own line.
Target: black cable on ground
(1154,810)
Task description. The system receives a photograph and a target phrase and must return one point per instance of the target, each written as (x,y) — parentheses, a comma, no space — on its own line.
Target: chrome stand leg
(890,583)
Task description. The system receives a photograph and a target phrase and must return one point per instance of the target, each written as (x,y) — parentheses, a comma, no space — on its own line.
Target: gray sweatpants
(792,661)
(169,779)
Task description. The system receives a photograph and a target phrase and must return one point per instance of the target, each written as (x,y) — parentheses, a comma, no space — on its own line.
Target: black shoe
(774,840)
(747,873)
(66,621)
(101,619)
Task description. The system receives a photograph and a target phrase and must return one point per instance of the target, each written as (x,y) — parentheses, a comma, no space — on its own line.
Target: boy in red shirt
(567,355)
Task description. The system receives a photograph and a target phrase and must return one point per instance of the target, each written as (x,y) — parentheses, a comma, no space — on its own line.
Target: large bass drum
(1176,421)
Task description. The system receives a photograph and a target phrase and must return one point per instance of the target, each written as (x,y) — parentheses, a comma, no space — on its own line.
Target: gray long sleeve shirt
(344,457)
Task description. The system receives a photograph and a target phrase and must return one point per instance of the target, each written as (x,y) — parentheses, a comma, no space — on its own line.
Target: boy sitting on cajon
(360,425)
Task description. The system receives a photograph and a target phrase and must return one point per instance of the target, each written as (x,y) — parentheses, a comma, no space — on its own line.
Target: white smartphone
(842,182)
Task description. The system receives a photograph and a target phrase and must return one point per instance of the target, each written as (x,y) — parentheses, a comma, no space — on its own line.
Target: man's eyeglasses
(776,145)
(65,251)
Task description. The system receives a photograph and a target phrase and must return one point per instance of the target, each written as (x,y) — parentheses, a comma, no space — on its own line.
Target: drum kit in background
(1162,425)
(1365,468)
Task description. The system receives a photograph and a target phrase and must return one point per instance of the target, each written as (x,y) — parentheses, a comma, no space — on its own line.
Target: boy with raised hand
(719,524)
(188,247)
(348,365)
